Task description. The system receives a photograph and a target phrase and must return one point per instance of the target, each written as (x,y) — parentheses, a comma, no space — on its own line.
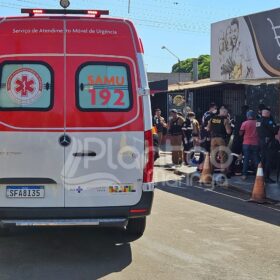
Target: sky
(182,26)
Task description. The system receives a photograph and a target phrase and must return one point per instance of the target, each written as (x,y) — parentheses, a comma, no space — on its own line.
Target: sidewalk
(272,190)
(165,161)
(235,182)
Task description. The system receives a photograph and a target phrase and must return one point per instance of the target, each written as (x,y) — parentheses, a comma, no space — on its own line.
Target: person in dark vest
(238,138)
(187,130)
(267,129)
(175,131)
(160,124)
(204,133)
(219,128)
(236,146)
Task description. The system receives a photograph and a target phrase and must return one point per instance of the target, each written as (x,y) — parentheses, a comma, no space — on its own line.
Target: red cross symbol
(24,86)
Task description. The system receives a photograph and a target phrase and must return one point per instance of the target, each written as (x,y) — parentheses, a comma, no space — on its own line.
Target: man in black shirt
(238,139)
(204,134)
(187,130)
(267,129)
(175,131)
(219,128)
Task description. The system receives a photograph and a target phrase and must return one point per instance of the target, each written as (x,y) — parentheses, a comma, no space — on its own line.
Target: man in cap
(267,129)
(175,131)
(219,128)
(204,134)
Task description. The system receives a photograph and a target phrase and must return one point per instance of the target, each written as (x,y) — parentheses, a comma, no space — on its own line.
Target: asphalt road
(193,233)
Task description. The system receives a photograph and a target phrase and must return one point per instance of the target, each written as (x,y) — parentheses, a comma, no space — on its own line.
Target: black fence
(266,94)
(230,95)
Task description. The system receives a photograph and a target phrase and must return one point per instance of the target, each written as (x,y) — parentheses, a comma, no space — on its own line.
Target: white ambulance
(75,121)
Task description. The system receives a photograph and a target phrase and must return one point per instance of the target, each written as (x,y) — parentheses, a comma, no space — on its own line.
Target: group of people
(182,131)
(251,135)
(259,135)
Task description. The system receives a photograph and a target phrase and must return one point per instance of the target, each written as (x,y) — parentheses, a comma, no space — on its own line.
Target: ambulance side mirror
(143,91)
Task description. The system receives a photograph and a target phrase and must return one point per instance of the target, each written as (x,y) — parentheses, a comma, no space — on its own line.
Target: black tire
(136,226)
(5,231)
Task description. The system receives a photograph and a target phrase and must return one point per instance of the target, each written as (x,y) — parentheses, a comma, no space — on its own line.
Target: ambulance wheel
(136,226)
(4,231)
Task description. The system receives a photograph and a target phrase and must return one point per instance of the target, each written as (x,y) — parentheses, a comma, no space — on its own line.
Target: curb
(239,189)
(232,187)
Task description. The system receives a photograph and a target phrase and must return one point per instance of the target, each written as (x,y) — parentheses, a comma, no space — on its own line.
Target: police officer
(267,129)
(204,134)
(175,130)
(187,130)
(219,128)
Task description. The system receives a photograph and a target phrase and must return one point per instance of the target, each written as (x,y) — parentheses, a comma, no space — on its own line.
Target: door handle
(85,154)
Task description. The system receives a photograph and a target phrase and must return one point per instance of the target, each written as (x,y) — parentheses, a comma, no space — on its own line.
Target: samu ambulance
(75,121)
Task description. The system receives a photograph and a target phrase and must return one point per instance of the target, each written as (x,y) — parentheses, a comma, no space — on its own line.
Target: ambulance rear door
(31,113)
(104,118)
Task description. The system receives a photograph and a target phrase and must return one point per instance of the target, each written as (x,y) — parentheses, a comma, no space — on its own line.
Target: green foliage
(186,66)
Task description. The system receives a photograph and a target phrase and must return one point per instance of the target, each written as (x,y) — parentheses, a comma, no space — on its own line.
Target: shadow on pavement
(63,253)
(222,198)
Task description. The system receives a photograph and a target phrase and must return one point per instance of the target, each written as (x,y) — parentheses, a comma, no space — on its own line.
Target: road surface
(192,233)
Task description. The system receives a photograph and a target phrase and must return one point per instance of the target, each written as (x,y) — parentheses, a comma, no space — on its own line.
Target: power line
(172,19)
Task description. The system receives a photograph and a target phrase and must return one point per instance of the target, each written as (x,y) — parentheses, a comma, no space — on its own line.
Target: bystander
(175,131)
(160,124)
(250,146)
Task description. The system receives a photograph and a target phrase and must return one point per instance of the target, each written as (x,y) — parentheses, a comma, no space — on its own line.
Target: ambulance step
(118,222)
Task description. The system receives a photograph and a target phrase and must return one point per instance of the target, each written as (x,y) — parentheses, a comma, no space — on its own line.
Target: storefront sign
(246,47)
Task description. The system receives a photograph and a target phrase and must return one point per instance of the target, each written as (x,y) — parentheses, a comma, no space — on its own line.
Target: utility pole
(179,61)
(128,8)
(195,69)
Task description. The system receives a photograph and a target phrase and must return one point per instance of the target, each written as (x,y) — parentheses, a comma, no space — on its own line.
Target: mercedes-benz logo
(64,140)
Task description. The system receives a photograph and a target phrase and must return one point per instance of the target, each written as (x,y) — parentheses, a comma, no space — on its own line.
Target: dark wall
(266,94)
(229,95)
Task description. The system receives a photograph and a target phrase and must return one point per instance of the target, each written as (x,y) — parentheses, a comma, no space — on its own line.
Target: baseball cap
(174,111)
(250,114)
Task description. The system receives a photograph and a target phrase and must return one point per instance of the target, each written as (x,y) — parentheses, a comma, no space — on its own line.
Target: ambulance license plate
(25,191)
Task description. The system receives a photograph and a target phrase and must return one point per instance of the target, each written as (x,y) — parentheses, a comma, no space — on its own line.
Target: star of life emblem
(24,86)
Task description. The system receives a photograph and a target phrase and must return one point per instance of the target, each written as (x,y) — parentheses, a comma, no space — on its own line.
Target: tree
(186,66)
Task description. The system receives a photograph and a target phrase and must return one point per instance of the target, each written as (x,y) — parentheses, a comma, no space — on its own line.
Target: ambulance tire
(136,226)
(4,231)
